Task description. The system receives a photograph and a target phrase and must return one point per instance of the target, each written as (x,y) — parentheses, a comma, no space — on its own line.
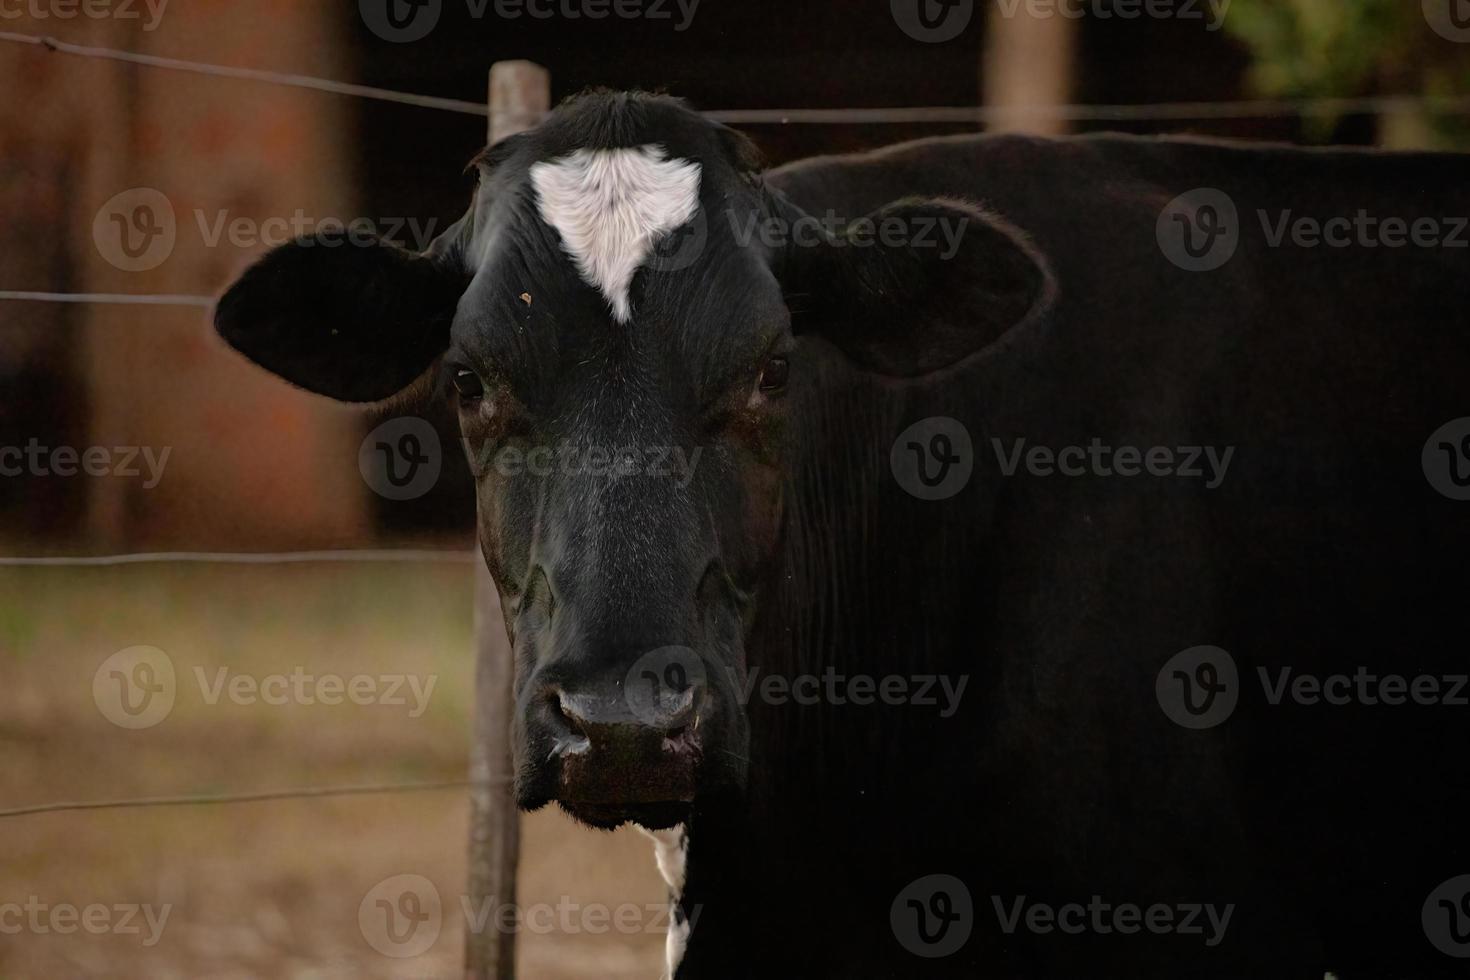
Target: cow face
(619,344)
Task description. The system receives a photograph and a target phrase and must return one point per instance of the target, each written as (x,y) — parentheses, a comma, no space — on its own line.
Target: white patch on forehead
(610,208)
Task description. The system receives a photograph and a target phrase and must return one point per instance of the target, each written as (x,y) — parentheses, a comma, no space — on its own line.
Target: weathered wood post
(1027,69)
(520,94)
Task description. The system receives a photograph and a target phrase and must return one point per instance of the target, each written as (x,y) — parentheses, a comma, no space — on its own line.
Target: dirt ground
(297,888)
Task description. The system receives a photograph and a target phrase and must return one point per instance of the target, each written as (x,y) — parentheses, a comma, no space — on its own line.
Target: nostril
(569,731)
(672,713)
(684,709)
(563,710)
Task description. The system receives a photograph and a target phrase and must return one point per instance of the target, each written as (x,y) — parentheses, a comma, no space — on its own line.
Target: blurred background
(121,178)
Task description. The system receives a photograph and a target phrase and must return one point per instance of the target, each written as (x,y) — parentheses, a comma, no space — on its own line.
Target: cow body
(1324,549)
(1135,683)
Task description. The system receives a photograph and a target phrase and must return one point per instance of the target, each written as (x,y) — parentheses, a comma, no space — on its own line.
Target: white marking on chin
(671,851)
(611,207)
(675,944)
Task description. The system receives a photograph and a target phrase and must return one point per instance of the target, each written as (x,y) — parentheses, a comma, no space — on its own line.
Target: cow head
(612,315)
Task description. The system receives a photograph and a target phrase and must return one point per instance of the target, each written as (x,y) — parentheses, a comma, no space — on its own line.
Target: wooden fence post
(520,94)
(1028,66)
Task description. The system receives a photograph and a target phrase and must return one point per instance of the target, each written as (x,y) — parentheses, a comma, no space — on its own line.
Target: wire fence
(262,796)
(973,115)
(364,555)
(105,299)
(976,114)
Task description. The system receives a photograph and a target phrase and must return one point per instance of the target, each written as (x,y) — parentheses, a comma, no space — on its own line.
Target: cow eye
(775,374)
(469,385)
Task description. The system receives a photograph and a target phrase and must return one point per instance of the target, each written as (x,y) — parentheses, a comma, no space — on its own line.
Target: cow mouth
(610,774)
(610,816)
(654,792)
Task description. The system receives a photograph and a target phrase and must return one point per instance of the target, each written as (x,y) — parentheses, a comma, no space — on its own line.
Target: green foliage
(1338,48)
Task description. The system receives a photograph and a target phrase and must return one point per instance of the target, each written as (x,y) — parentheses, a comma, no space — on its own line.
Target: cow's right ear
(354,319)
(915,287)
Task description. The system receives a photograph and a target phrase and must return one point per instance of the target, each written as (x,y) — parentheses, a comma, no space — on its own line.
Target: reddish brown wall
(252,462)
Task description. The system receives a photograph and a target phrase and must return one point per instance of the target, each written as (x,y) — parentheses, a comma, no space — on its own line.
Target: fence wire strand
(363,555)
(264,796)
(251,74)
(1139,112)
(106,299)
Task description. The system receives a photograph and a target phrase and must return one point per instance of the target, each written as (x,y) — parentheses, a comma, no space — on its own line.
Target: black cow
(1055,531)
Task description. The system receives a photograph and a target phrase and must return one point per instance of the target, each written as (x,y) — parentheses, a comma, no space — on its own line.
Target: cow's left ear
(917,286)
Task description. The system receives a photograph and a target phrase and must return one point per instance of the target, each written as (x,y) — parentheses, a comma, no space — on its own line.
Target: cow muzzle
(633,749)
